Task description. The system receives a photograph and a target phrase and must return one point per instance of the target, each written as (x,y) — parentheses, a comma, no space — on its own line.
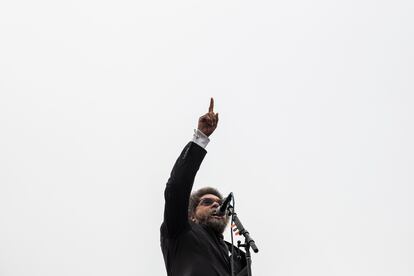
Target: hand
(208,122)
(235,229)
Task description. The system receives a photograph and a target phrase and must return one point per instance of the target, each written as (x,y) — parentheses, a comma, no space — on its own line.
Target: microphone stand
(248,241)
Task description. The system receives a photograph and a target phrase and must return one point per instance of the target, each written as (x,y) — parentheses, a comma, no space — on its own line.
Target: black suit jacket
(191,249)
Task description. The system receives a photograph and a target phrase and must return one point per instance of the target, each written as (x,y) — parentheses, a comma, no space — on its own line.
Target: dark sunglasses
(209,201)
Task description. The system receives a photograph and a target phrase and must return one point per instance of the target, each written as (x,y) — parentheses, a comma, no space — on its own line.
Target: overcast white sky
(315,139)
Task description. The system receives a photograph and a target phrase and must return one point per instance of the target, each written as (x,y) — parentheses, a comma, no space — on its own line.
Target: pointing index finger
(210,109)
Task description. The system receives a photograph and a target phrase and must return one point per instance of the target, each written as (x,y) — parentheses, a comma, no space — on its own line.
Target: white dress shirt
(200,138)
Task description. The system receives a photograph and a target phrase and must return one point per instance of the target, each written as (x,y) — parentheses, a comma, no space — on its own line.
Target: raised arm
(180,183)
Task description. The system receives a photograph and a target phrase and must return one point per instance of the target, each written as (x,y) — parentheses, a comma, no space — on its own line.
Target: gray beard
(217,225)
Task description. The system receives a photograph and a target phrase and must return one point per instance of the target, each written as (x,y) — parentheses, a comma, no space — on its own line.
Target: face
(205,213)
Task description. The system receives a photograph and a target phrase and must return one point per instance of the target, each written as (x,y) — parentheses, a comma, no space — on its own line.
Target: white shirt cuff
(200,138)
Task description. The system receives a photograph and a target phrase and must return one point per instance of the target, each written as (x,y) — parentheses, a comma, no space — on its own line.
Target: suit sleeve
(178,189)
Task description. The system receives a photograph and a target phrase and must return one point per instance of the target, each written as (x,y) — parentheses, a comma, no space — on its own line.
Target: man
(191,233)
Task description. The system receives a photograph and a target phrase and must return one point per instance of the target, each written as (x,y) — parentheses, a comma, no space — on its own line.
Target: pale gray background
(315,138)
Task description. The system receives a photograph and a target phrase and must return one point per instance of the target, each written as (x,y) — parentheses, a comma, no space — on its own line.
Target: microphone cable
(232,242)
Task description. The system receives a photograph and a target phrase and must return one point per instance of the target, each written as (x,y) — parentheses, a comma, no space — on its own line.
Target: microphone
(221,211)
